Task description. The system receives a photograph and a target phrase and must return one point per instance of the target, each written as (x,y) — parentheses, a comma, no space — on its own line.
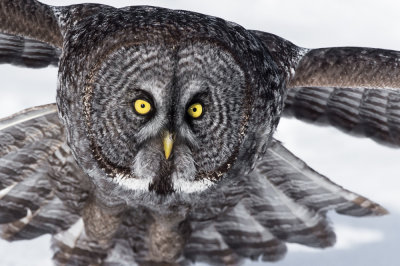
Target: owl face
(174,104)
(160,118)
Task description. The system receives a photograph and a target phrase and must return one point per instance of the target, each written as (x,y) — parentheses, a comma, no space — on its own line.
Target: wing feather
(355,89)
(349,67)
(50,218)
(42,188)
(74,247)
(207,245)
(26,140)
(285,54)
(307,187)
(284,217)
(282,200)
(247,238)
(27,196)
(373,113)
(30,18)
(25,52)
(31,33)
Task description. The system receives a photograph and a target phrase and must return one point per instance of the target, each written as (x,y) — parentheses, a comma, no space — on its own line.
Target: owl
(160,147)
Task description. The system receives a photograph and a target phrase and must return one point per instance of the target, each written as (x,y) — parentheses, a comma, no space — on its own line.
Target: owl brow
(198,97)
(142,94)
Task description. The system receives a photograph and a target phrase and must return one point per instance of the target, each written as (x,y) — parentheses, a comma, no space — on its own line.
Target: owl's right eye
(195,110)
(142,107)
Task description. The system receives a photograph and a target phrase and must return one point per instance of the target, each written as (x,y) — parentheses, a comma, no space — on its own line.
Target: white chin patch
(180,185)
(138,184)
(185,186)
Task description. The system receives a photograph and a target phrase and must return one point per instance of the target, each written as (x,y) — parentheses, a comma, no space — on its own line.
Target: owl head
(163,102)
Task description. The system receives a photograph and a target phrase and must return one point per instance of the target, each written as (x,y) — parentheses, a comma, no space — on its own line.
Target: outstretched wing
(284,201)
(31,19)
(43,191)
(348,67)
(354,89)
(31,33)
(19,51)
(373,113)
(41,188)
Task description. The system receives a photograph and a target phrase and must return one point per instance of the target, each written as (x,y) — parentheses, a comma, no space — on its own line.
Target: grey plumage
(31,19)
(348,67)
(97,178)
(30,138)
(372,113)
(25,52)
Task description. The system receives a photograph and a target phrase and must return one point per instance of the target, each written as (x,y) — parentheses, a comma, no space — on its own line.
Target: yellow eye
(195,110)
(142,107)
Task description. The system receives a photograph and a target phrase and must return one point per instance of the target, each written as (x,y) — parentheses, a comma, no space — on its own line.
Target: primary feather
(373,113)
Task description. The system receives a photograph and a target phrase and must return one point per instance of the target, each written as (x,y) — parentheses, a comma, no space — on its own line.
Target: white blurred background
(357,164)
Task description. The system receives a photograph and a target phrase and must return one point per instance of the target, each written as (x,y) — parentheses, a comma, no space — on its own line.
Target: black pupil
(142,105)
(194,109)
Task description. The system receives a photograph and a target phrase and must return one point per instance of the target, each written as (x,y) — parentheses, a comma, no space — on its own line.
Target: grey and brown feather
(92,172)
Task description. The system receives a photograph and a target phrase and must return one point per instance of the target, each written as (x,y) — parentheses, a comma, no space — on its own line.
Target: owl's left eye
(142,107)
(195,110)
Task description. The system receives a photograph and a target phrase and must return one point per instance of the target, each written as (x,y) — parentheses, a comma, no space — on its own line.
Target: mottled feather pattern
(80,69)
(24,52)
(286,55)
(52,216)
(74,247)
(246,237)
(208,245)
(68,181)
(348,67)
(21,140)
(307,187)
(284,217)
(372,113)
(31,19)
(28,204)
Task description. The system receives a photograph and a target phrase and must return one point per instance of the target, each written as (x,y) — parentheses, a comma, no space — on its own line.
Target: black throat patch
(162,183)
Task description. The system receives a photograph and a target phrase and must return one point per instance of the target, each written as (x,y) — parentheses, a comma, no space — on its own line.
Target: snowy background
(357,164)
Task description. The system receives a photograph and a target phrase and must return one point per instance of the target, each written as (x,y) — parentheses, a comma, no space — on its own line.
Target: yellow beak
(168,141)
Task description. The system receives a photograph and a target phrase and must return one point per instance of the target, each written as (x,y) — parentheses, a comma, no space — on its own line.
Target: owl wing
(31,33)
(24,52)
(31,19)
(342,67)
(348,67)
(41,188)
(374,113)
(283,200)
(352,88)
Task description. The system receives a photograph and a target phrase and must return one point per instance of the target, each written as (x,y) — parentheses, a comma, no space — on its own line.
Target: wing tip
(363,207)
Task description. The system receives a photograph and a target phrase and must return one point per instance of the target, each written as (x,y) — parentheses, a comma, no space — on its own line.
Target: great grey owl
(160,149)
